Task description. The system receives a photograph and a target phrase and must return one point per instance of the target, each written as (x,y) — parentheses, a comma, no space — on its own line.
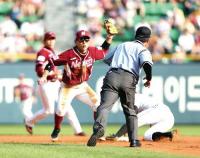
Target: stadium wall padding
(178,86)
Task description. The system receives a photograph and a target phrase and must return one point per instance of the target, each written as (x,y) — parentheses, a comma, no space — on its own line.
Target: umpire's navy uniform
(120,82)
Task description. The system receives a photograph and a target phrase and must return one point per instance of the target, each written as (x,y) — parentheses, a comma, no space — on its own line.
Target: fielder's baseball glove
(110,27)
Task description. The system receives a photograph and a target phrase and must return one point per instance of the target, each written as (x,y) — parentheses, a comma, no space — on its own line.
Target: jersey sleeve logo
(41,58)
(99,48)
(73,58)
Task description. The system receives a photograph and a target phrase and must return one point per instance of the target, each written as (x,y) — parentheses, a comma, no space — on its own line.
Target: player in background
(153,113)
(25,95)
(78,63)
(49,85)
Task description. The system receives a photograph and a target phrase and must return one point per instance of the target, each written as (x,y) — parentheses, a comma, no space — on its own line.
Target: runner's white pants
(160,118)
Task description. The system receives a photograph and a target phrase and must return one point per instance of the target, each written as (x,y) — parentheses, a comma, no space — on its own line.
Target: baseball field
(16,143)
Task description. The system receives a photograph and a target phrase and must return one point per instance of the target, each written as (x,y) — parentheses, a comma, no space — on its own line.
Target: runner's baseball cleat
(161,135)
(102,139)
(111,137)
(54,135)
(80,134)
(173,133)
(29,129)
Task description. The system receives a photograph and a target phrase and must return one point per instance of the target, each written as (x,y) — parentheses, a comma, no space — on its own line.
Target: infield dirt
(181,145)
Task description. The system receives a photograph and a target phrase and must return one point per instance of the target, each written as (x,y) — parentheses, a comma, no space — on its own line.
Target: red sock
(94,115)
(58,121)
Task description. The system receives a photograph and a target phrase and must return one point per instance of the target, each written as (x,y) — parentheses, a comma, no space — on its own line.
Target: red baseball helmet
(49,35)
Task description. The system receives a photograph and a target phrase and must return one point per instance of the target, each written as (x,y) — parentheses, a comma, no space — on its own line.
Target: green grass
(189,130)
(75,151)
(22,150)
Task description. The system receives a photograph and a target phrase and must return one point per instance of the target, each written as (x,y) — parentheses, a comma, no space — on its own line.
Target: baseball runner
(78,63)
(125,62)
(25,94)
(49,86)
(153,113)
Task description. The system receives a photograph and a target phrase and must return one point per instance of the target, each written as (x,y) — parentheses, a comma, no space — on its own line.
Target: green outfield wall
(178,86)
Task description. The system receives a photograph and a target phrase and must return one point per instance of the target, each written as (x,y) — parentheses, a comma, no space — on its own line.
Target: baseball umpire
(120,82)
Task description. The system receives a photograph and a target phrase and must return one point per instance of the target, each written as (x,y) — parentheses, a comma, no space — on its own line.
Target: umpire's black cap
(143,33)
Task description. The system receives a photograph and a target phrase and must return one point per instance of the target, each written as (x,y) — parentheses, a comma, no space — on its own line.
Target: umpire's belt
(122,70)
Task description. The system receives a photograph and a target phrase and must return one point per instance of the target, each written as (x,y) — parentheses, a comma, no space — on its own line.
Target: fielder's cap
(81,34)
(49,35)
(143,32)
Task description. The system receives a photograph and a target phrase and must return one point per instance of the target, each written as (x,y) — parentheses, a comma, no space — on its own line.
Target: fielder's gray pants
(121,84)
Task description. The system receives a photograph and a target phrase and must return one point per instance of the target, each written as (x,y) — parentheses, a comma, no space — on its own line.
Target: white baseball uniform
(151,112)
(24,93)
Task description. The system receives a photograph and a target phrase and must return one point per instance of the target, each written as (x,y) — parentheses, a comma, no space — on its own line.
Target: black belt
(122,70)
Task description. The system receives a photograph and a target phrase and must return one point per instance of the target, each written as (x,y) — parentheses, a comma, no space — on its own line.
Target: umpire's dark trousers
(118,83)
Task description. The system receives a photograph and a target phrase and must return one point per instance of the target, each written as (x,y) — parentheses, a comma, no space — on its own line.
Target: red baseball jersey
(44,56)
(25,91)
(78,68)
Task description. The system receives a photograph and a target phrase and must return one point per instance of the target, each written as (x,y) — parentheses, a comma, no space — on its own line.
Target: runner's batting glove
(110,27)
(147,83)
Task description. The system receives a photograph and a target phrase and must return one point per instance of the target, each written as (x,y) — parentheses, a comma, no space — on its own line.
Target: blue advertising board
(178,86)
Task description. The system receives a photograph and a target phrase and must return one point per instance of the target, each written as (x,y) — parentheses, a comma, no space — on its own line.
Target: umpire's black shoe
(54,134)
(94,137)
(135,143)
